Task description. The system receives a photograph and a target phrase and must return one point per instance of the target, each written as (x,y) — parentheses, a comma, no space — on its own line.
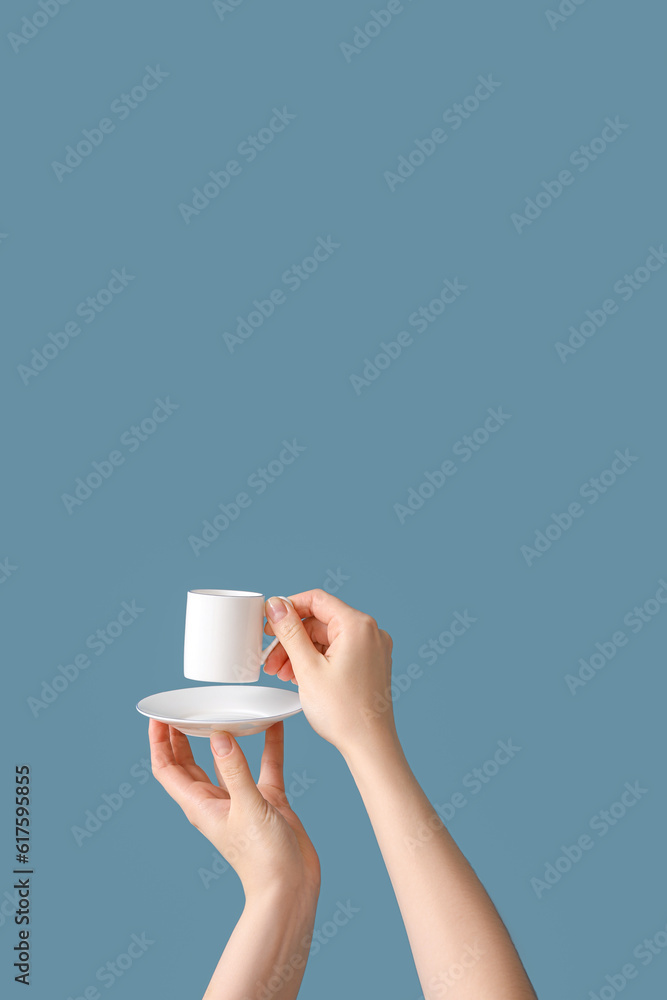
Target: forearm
(450,920)
(268,949)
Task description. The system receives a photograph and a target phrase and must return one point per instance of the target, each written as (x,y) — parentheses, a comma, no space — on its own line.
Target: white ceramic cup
(223,636)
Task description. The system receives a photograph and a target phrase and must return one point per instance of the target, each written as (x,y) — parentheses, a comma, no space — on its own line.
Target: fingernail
(276,608)
(221,744)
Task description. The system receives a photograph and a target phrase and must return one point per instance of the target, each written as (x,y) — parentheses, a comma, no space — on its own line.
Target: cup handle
(272,645)
(265,652)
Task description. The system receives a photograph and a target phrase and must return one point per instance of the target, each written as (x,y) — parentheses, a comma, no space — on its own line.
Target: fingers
(183,755)
(271,770)
(181,748)
(276,660)
(183,787)
(162,754)
(233,772)
(294,638)
(318,606)
(321,605)
(286,673)
(317,631)
(268,650)
(324,618)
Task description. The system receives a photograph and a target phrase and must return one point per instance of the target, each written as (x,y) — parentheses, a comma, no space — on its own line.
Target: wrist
(282,895)
(380,749)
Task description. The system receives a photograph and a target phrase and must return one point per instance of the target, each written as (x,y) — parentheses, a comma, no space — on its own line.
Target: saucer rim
(171,720)
(214,722)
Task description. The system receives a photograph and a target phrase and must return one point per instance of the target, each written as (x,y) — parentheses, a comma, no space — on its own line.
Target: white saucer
(239,709)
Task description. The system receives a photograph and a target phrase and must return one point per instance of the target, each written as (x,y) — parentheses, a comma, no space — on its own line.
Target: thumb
(293,637)
(232,770)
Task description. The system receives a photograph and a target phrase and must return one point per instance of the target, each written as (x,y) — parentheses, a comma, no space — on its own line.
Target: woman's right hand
(341,661)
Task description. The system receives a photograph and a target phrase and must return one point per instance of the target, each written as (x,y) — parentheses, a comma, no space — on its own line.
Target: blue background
(334,508)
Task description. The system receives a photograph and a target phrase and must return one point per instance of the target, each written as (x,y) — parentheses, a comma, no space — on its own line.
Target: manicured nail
(221,744)
(276,608)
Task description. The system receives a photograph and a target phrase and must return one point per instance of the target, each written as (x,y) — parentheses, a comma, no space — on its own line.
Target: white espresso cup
(223,636)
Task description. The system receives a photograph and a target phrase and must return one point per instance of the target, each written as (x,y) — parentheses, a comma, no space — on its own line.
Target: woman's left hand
(251,825)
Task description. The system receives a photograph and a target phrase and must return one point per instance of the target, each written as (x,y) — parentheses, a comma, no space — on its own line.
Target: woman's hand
(251,825)
(341,661)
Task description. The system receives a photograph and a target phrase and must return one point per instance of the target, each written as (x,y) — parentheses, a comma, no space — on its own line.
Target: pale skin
(254,828)
(341,661)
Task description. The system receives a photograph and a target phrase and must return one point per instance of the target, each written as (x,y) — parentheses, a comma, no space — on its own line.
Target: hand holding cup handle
(341,661)
(272,645)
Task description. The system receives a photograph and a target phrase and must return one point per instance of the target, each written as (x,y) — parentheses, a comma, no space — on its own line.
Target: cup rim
(226,593)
